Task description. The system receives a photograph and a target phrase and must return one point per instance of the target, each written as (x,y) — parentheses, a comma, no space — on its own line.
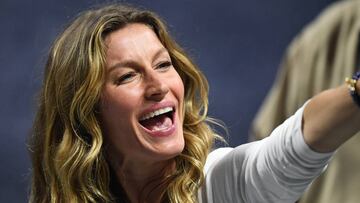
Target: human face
(141,81)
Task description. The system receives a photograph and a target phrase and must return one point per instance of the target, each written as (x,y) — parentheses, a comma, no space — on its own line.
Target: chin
(167,150)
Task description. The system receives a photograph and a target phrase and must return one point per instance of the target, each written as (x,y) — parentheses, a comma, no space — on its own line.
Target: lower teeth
(157,128)
(158,123)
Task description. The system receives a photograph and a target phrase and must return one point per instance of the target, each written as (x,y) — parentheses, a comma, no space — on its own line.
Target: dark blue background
(237,43)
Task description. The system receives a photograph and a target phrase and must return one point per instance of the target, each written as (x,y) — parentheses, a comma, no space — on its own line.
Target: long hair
(66,146)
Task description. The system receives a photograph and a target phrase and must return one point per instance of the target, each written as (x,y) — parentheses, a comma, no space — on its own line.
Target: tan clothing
(319,58)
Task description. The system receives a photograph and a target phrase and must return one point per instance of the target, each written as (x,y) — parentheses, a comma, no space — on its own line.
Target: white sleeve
(276,169)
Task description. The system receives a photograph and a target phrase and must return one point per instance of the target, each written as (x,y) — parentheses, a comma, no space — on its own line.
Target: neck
(143,182)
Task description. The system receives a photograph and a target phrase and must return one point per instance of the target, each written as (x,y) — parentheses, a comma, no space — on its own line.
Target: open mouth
(159,120)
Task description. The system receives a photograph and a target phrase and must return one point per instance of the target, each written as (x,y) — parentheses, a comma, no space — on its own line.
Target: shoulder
(215,156)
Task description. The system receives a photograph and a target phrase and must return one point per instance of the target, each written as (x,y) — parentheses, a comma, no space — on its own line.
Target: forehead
(131,41)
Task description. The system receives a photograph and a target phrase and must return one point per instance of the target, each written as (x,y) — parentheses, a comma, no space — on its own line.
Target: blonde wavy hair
(67,144)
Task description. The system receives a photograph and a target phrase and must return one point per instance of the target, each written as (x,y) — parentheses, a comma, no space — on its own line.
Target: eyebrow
(132,63)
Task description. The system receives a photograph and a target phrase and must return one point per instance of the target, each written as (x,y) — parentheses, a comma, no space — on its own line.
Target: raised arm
(331,118)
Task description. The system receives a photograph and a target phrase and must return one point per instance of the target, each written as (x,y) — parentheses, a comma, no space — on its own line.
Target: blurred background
(238,44)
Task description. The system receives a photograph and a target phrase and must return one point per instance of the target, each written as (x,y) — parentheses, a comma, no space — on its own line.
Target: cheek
(178,90)
(116,114)
(120,99)
(178,87)
(112,108)
(117,107)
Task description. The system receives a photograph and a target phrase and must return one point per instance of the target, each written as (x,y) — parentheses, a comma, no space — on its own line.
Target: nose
(156,89)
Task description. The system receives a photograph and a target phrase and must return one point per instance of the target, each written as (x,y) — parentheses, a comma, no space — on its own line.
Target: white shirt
(276,169)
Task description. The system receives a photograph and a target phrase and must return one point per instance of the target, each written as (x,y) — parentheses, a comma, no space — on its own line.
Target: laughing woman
(122,117)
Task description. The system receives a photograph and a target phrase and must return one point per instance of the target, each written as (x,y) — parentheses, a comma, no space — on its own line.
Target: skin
(330,119)
(139,75)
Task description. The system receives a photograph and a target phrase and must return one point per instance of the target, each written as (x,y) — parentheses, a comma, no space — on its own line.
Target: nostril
(156,93)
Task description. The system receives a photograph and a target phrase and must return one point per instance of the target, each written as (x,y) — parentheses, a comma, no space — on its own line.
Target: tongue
(157,123)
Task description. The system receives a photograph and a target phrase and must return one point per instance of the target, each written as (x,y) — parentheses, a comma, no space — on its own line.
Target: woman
(122,118)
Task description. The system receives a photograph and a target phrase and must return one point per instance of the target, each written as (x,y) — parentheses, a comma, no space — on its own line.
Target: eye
(163,66)
(125,78)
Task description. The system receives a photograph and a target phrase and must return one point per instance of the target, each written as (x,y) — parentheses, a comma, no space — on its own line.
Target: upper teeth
(156,113)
